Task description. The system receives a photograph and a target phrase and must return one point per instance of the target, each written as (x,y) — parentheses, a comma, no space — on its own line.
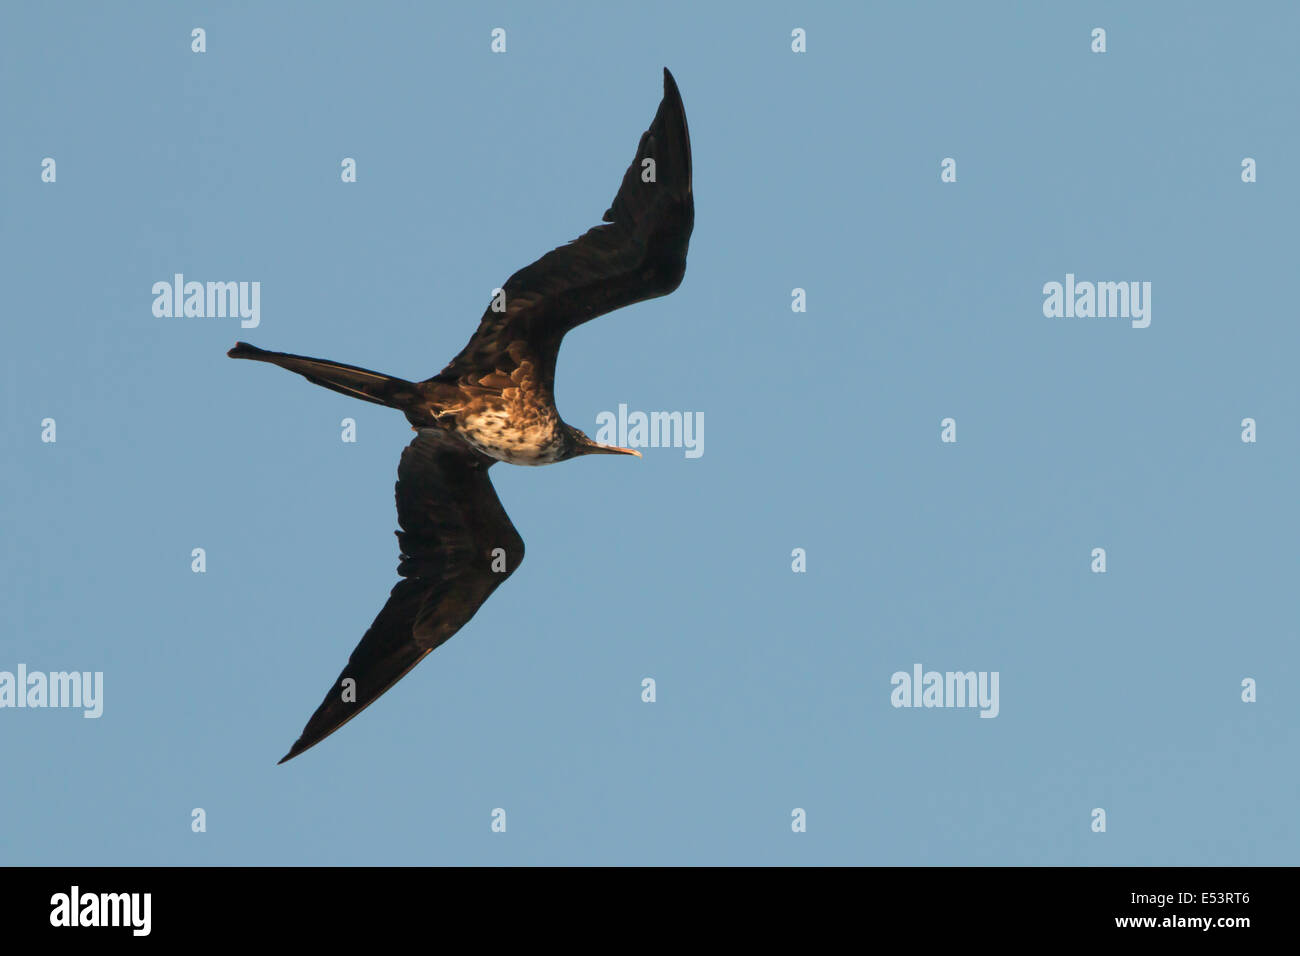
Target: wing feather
(637,253)
(452,521)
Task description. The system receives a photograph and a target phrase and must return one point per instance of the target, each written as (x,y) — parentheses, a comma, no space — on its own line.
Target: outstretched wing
(452,522)
(639,253)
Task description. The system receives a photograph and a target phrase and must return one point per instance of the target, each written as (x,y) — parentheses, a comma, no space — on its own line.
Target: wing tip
(676,108)
(302,744)
(670,85)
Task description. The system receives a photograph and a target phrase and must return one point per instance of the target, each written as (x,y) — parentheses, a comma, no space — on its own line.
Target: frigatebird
(495,402)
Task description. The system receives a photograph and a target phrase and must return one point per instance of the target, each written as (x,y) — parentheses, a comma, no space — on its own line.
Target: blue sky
(819,171)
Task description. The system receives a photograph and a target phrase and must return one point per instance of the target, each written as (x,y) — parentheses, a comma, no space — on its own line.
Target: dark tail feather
(348,379)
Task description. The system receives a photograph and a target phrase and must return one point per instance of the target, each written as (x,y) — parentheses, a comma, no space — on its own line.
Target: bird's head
(576,443)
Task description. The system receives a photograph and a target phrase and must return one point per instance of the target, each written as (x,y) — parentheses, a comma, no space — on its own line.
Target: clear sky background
(819,171)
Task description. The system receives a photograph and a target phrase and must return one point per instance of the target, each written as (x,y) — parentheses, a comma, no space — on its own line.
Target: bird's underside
(495,402)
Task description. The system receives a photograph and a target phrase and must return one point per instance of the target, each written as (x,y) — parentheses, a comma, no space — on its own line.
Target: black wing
(639,254)
(452,523)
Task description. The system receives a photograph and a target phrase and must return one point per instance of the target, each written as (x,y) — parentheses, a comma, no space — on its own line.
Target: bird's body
(495,402)
(510,417)
(511,430)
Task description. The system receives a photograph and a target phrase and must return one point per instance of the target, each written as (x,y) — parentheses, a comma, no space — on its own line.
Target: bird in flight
(495,402)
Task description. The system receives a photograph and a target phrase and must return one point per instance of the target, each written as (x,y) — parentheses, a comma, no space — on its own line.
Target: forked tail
(348,379)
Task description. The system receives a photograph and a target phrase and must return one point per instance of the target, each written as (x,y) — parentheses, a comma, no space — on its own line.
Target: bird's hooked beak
(582,445)
(596,448)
